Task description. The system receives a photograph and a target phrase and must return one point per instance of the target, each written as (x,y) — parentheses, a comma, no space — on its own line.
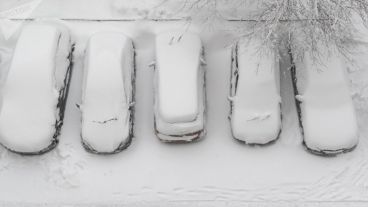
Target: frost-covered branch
(304,24)
(310,23)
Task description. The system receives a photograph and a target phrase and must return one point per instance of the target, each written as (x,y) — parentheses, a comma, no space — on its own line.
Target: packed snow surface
(177,62)
(327,111)
(255,117)
(106,98)
(31,90)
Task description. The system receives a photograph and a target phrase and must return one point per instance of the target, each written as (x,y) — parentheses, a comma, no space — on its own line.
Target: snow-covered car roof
(256,115)
(31,92)
(106,102)
(177,61)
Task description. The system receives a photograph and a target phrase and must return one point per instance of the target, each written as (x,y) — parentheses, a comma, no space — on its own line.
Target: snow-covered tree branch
(304,24)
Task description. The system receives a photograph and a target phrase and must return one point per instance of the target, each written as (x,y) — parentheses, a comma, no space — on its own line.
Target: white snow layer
(179,84)
(178,59)
(150,173)
(256,100)
(327,110)
(31,91)
(107,92)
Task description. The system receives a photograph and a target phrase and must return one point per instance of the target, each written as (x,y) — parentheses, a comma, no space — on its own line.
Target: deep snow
(177,64)
(207,173)
(107,92)
(256,101)
(30,95)
(327,112)
(179,86)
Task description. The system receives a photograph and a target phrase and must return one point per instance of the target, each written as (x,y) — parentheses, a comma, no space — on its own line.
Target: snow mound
(179,86)
(326,109)
(178,58)
(107,93)
(255,98)
(33,87)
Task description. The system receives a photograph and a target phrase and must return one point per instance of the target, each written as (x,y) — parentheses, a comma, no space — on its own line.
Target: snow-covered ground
(212,172)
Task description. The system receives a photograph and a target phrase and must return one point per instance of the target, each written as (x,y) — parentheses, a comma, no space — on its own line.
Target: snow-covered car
(255,102)
(108,93)
(179,84)
(36,89)
(326,113)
